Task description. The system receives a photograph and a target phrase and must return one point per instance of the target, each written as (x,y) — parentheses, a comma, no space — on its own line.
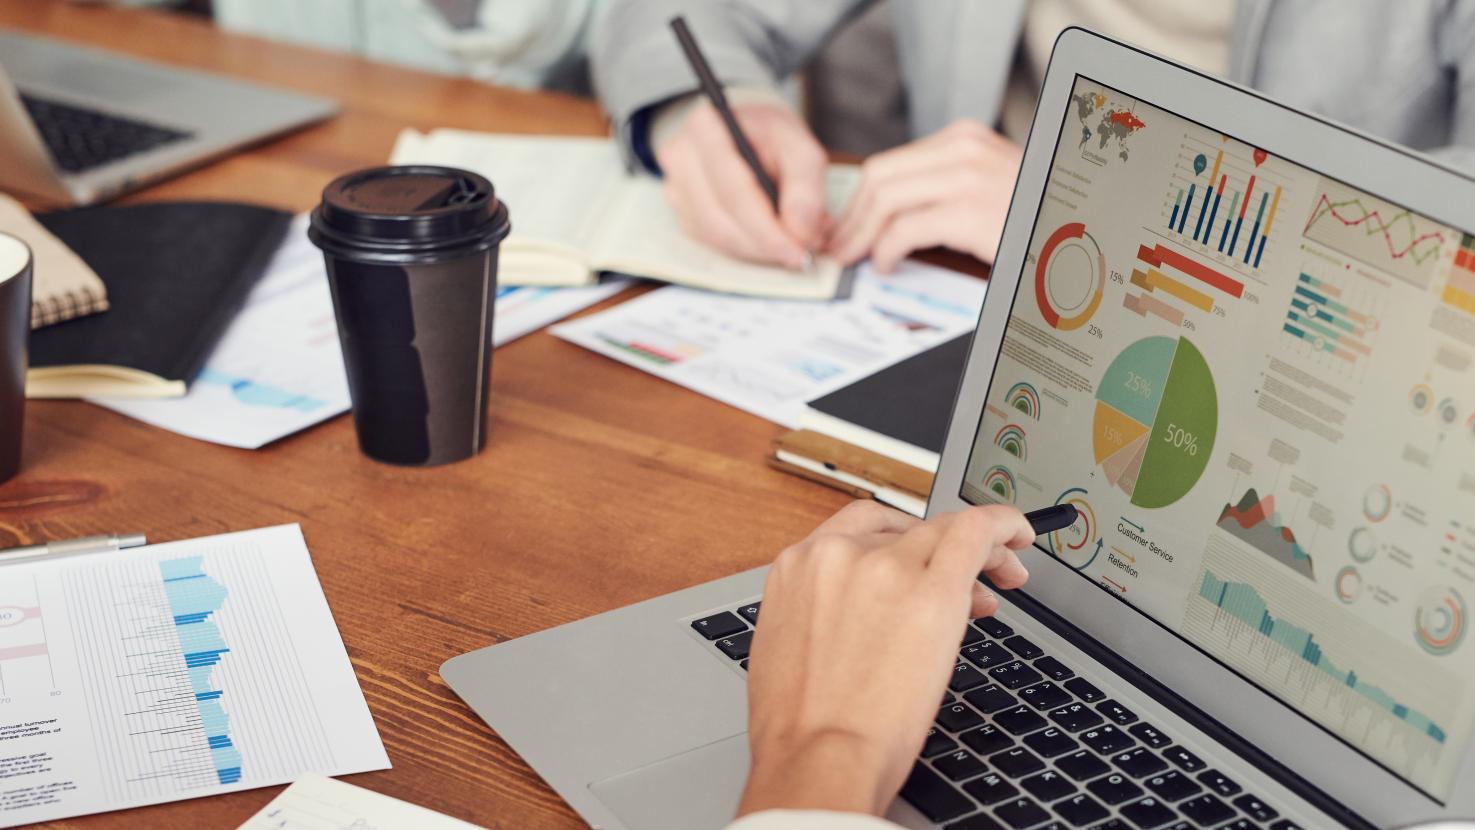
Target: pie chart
(1157,413)
(1069,277)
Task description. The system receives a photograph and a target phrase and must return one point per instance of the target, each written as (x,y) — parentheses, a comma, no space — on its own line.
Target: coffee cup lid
(409,208)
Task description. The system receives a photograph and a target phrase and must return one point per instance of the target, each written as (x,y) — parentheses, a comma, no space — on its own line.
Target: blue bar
(1255,231)
(1186,209)
(182,578)
(1173,220)
(209,695)
(1209,229)
(1198,228)
(1259,251)
(1234,240)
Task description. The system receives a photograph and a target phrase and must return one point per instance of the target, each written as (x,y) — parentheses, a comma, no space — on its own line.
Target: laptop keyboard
(80,139)
(1022,742)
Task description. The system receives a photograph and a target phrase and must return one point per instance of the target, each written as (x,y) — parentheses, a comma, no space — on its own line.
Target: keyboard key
(933,797)
(994,628)
(736,647)
(1044,696)
(979,822)
(959,764)
(937,743)
(1048,785)
(1148,813)
(1149,735)
(1020,720)
(1015,675)
(1016,763)
(1076,716)
(1138,762)
(1081,810)
(1207,810)
(990,699)
(1255,808)
(991,789)
(986,654)
(971,635)
(1024,648)
(1107,740)
(1114,789)
(1116,713)
(1112,824)
(1183,759)
(1285,824)
(956,717)
(750,612)
(1021,812)
(1084,690)
(1051,742)
(718,626)
(1217,782)
(1240,824)
(1082,765)
(1053,669)
(1173,786)
(986,739)
(966,677)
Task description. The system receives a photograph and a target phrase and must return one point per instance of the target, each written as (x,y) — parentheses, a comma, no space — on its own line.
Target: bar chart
(1231,211)
(1459,290)
(193,598)
(1322,317)
(1169,284)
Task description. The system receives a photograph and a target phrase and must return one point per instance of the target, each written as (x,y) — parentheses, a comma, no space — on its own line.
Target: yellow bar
(1139,279)
(1198,299)
(1270,220)
(1214,174)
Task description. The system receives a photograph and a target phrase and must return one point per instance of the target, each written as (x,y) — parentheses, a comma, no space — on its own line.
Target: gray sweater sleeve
(1456,52)
(637,64)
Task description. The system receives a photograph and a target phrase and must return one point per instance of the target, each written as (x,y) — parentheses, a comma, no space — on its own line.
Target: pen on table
(713,90)
(72,547)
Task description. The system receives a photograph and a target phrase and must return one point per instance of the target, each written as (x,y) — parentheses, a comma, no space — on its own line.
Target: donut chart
(1157,413)
(1439,620)
(1070,277)
(1080,544)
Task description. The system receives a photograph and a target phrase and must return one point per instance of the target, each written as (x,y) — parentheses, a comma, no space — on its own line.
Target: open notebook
(576,212)
(62,285)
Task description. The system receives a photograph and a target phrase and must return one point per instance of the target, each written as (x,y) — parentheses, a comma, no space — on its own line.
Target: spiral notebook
(62,285)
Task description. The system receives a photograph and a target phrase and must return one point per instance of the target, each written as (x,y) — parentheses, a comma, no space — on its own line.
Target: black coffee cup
(412,262)
(15,333)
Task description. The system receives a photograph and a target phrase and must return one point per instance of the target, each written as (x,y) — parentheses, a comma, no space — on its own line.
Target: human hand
(951,188)
(855,644)
(719,202)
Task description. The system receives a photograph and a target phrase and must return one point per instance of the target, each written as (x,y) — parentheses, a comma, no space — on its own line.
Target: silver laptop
(1241,341)
(80,125)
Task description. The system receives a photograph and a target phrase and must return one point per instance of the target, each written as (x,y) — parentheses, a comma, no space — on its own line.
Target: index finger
(980,539)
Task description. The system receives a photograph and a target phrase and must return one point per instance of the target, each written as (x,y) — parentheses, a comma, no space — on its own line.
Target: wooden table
(600,485)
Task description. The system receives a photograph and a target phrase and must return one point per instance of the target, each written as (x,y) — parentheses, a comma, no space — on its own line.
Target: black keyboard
(1022,742)
(80,139)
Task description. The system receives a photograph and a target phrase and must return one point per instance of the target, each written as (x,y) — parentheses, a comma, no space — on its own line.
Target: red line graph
(1325,206)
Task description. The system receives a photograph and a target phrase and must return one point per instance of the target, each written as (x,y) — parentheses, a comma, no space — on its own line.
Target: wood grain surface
(600,485)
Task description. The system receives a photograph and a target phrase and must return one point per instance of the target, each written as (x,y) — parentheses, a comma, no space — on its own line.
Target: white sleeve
(810,820)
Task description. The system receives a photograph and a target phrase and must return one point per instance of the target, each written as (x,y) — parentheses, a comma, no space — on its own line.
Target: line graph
(1377,233)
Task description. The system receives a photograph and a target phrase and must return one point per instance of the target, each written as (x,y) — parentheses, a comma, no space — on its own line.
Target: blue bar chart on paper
(1348,676)
(193,598)
(172,671)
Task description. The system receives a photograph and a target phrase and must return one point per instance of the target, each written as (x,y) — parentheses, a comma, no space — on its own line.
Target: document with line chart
(169,672)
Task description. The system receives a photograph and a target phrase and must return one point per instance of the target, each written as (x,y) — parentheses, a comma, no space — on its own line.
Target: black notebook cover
(911,401)
(176,274)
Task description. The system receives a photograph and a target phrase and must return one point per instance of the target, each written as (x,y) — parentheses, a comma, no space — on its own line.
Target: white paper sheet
(315,802)
(278,368)
(172,671)
(770,357)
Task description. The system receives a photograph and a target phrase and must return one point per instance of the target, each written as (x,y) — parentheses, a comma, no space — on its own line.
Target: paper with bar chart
(170,672)
(1257,386)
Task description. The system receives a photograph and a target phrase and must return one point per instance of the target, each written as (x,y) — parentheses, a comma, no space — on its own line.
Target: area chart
(1157,414)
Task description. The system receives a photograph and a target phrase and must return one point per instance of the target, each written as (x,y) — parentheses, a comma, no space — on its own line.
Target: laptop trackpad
(696,790)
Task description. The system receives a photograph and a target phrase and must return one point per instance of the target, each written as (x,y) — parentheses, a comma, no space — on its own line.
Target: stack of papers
(771,357)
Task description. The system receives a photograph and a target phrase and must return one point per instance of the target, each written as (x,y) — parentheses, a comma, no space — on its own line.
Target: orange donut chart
(1064,288)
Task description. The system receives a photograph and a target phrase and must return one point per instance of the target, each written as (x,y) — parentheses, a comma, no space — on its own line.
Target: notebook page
(315,802)
(642,237)
(62,286)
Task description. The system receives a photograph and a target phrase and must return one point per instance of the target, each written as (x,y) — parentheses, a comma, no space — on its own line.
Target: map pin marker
(1259,156)
(1199,163)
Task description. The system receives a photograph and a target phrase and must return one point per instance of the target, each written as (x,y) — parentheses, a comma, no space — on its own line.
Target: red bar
(1250,188)
(1159,255)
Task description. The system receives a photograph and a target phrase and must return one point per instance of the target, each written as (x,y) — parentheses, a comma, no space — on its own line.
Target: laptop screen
(1257,384)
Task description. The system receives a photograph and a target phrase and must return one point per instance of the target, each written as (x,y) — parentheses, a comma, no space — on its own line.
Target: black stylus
(1050,519)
